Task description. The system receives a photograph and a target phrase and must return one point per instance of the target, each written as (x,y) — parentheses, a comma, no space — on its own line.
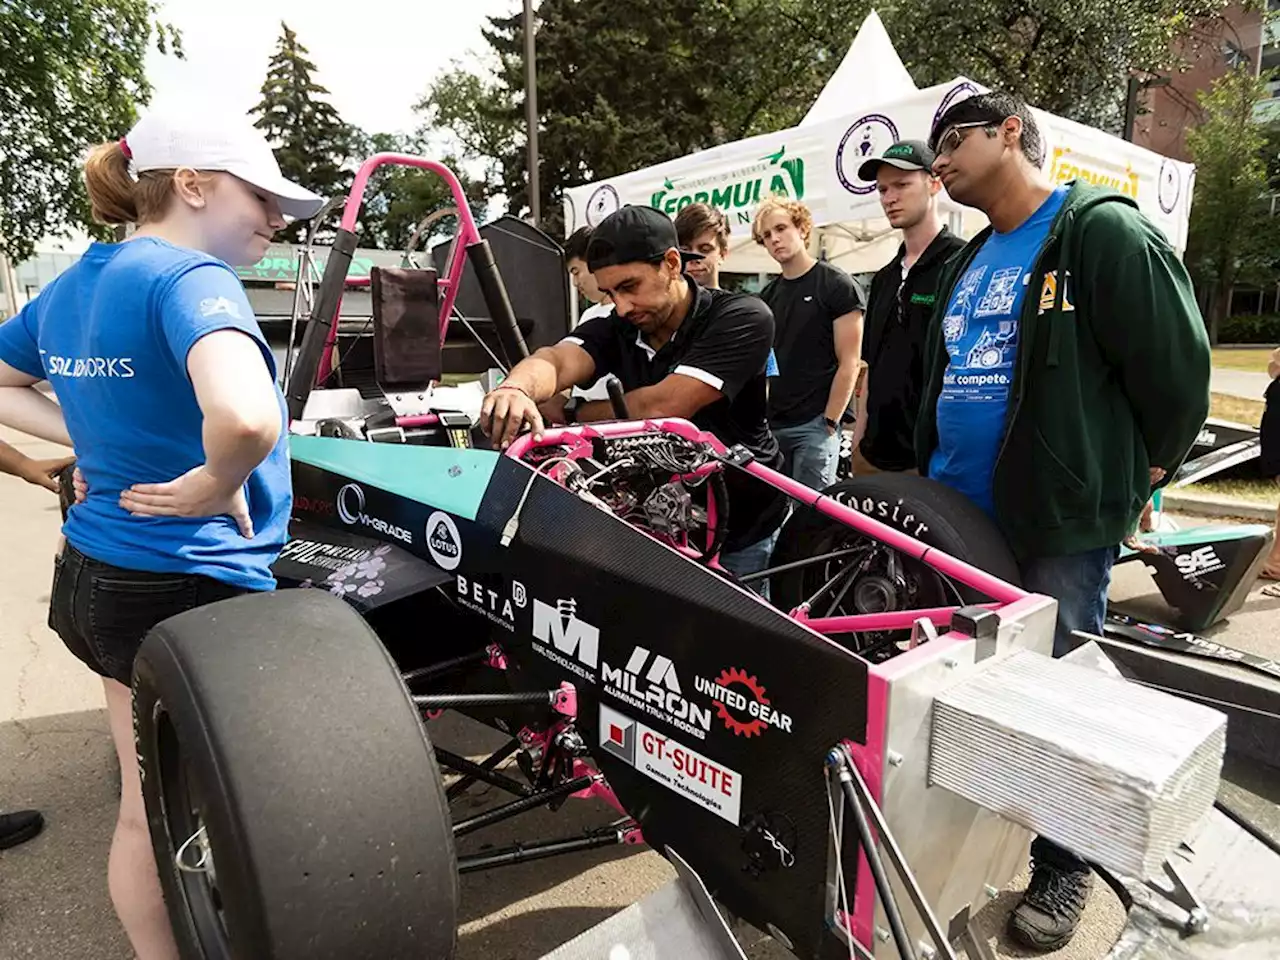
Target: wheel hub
(875,594)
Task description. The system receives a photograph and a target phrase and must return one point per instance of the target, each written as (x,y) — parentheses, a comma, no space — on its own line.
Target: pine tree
(313,145)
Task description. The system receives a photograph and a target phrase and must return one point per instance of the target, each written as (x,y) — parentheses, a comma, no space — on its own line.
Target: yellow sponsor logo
(1066,168)
(1049,293)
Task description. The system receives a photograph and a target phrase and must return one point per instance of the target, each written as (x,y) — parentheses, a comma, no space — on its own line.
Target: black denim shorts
(103,612)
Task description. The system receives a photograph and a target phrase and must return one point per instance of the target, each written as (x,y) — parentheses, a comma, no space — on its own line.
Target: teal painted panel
(443,477)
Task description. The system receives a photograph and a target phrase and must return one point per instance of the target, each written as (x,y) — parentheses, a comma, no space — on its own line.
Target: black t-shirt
(724,342)
(805,311)
(898,315)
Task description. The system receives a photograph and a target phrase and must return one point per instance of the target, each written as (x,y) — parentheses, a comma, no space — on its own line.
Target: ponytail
(111,189)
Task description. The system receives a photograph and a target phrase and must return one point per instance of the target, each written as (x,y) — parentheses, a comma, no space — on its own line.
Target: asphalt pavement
(56,755)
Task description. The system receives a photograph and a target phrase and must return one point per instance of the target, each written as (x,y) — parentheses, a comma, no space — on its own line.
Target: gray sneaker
(1050,909)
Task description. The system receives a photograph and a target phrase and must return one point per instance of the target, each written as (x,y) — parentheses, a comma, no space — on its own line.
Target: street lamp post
(531,112)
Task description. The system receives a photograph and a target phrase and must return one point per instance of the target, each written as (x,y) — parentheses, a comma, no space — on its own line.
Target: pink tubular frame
(993,587)
(869,757)
(468,234)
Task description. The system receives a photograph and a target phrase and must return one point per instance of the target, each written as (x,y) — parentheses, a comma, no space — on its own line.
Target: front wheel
(874,578)
(293,798)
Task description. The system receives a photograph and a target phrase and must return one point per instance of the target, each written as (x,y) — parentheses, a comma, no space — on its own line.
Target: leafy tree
(72,74)
(312,143)
(1233,235)
(622,86)
(1073,61)
(398,198)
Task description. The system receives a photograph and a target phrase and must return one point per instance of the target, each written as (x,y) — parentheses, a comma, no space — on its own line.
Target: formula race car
(851,766)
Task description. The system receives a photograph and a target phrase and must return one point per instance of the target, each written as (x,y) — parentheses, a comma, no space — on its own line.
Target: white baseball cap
(165,140)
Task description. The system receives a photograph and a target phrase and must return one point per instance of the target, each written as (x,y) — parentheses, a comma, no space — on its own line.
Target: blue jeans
(810,452)
(752,559)
(1079,582)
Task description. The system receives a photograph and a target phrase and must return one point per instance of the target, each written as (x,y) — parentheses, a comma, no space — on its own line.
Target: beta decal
(656,691)
(500,608)
(443,541)
(742,703)
(710,785)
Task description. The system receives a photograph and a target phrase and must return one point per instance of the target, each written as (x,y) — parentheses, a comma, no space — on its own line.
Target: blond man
(817,310)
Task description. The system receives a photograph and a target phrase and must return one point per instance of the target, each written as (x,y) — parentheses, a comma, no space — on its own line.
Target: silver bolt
(895,758)
(991,892)
(951,663)
(882,934)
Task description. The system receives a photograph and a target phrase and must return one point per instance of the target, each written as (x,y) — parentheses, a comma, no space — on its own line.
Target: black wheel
(874,578)
(293,797)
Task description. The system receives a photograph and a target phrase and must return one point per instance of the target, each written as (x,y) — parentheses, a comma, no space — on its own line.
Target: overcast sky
(375,67)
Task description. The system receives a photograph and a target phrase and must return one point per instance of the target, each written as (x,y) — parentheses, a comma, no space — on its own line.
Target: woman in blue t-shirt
(166,391)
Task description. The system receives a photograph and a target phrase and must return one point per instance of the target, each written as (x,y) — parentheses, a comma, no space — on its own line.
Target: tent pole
(531,113)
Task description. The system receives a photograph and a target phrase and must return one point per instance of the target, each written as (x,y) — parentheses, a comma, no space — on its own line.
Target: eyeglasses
(950,141)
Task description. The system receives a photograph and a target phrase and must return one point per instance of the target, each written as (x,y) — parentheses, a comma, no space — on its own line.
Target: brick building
(1167,111)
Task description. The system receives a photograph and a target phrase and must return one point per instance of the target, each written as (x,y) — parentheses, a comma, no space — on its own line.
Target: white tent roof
(818,163)
(870,73)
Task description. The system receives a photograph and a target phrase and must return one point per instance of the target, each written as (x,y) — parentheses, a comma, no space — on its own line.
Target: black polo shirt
(898,315)
(724,341)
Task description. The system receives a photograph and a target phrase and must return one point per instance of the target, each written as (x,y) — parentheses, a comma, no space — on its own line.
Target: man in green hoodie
(1066,376)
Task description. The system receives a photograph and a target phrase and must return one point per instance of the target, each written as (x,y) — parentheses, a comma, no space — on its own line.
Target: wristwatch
(835,427)
(571,409)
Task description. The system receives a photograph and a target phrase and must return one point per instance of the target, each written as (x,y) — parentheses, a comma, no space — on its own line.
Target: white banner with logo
(819,165)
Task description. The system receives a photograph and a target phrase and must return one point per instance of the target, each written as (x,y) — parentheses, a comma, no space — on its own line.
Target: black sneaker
(1047,916)
(16,828)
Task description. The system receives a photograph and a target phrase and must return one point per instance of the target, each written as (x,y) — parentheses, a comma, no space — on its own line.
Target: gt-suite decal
(668,762)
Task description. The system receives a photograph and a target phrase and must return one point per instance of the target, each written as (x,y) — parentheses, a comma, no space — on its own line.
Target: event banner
(819,164)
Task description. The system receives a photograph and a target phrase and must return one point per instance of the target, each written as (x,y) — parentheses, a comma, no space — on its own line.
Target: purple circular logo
(1169,189)
(961,91)
(571,221)
(868,138)
(603,202)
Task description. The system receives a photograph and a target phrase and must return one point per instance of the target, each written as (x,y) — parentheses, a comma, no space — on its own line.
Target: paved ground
(55,754)
(1242,383)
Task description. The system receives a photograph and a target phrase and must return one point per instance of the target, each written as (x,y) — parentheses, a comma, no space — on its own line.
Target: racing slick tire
(292,794)
(929,511)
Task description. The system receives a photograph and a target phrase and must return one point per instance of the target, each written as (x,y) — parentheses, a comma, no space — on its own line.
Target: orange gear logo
(752,728)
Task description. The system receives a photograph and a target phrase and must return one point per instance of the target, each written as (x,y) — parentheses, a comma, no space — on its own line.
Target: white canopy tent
(868,104)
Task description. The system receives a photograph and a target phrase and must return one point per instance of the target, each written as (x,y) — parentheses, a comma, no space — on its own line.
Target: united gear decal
(737,692)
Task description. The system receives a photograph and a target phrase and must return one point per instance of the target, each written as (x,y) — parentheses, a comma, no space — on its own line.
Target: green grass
(1265,492)
(1236,409)
(1242,358)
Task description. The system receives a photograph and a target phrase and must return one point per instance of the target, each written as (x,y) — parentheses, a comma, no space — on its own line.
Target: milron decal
(742,703)
(350,506)
(698,779)
(443,541)
(869,137)
(655,691)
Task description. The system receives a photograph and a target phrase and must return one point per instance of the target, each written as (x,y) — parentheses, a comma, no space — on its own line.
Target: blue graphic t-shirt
(980,330)
(111,334)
